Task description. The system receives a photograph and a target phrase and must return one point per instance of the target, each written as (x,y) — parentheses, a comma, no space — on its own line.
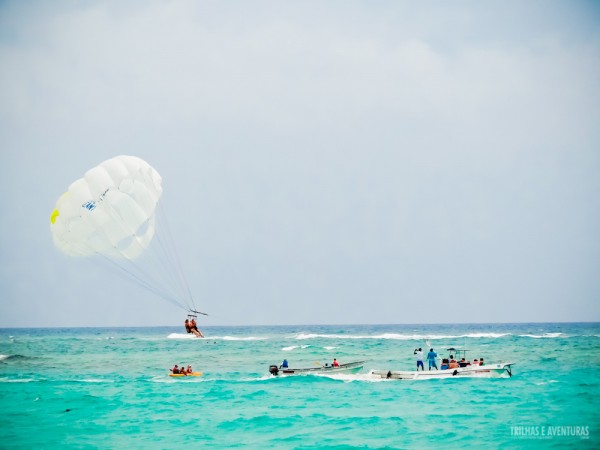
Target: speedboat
(351,367)
(496,370)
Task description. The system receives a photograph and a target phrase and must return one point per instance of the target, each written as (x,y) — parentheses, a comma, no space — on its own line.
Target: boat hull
(502,370)
(352,367)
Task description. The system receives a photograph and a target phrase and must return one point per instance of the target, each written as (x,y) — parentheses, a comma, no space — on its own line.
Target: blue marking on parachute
(90,206)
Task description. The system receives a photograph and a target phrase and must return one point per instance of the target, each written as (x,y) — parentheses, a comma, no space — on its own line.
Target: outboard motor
(274,370)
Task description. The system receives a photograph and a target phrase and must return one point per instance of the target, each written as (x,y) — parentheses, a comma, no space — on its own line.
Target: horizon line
(309,325)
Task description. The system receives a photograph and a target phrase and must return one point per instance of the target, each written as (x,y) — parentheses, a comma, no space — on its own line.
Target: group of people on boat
(191,327)
(451,363)
(181,371)
(447,363)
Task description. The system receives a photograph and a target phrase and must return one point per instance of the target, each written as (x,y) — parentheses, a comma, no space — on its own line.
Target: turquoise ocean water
(108,388)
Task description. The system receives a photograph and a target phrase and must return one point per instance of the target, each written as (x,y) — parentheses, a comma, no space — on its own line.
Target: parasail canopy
(110,211)
(113,212)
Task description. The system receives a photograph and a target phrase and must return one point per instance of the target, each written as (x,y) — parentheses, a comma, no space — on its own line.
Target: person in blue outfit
(284,364)
(431,358)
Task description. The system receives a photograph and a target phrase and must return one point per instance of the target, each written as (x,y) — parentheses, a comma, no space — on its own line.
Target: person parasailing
(194,327)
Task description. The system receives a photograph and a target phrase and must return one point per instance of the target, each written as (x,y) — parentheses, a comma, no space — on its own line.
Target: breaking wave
(293,347)
(400,337)
(544,336)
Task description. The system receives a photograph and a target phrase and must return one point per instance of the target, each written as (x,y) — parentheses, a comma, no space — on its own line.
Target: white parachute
(113,212)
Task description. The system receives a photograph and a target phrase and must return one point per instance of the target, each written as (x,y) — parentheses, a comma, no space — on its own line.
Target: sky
(323,162)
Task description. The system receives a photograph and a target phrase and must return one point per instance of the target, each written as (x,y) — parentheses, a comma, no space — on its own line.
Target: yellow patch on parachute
(54,215)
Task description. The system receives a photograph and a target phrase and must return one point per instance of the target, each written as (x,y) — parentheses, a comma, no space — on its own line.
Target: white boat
(351,367)
(495,370)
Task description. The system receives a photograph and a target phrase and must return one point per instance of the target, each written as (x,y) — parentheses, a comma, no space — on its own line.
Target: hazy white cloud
(323,162)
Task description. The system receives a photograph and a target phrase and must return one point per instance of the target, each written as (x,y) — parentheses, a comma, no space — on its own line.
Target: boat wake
(215,338)
(182,336)
(351,377)
(171,380)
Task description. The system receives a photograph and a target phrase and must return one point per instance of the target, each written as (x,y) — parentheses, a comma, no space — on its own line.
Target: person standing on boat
(335,363)
(419,357)
(431,358)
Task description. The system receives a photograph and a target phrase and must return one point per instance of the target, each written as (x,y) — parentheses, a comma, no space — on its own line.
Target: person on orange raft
(335,363)
(175,369)
(189,370)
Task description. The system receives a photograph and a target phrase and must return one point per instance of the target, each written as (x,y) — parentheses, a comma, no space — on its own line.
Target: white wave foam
(349,378)
(544,336)
(181,336)
(485,335)
(262,378)
(223,338)
(95,380)
(294,347)
(170,380)
(401,337)
(164,380)
(17,380)
(3,357)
